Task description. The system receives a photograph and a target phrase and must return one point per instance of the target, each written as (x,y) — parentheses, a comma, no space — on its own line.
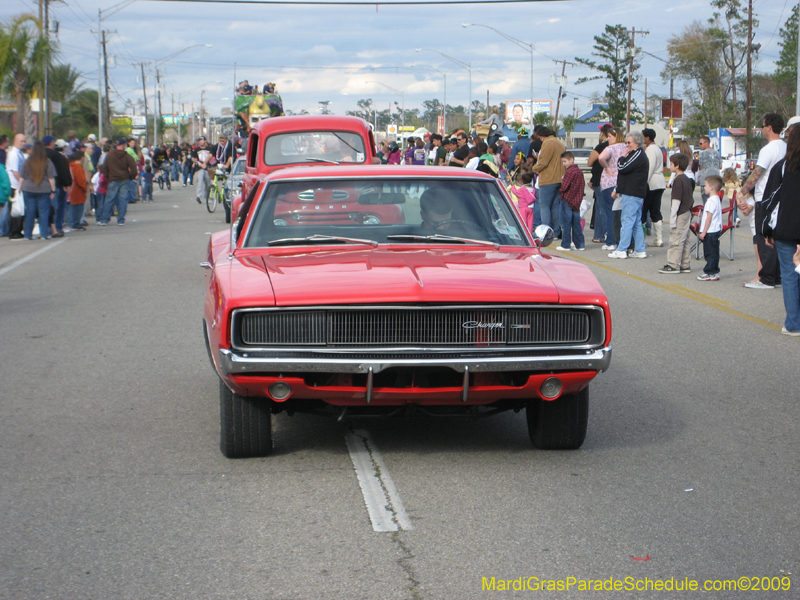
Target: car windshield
(238,167)
(408,211)
(314,147)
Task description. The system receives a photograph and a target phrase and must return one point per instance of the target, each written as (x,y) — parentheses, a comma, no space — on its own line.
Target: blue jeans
(791,283)
(607,205)
(631,224)
(711,252)
(599,214)
(117,194)
(548,201)
(5,211)
(101,204)
(60,205)
(147,191)
(571,226)
(187,171)
(75,215)
(36,203)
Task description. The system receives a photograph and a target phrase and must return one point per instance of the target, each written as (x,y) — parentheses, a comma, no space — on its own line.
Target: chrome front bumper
(232,363)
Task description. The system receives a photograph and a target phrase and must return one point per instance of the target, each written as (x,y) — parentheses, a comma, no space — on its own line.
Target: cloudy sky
(336,53)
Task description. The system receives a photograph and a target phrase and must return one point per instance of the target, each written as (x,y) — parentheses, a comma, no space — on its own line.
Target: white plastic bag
(585,206)
(17,204)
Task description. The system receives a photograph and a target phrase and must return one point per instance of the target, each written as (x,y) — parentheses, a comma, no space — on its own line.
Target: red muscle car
(448,307)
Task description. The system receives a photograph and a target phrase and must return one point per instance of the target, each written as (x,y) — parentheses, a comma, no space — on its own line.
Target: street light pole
(444,107)
(525,45)
(402,97)
(463,65)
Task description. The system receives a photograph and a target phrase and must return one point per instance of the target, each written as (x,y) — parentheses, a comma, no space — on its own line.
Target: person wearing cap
(120,169)
(63,183)
(495,123)
(96,151)
(523,143)
(504,151)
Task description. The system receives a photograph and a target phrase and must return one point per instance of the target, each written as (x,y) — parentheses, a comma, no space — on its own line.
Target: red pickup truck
(305,140)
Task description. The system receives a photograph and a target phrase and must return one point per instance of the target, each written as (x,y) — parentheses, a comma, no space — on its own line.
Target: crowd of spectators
(49,187)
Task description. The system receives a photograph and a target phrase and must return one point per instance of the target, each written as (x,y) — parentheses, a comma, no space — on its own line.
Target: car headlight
(371,220)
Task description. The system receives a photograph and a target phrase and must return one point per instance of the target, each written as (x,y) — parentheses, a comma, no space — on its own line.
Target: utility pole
(107,120)
(630,74)
(157,107)
(144,93)
(749,115)
(645,102)
(564,64)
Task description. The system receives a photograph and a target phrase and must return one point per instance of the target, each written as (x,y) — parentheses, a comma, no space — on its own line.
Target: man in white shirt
(752,191)
(14,162)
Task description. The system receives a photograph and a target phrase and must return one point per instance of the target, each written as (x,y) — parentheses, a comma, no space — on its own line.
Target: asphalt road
(112,484)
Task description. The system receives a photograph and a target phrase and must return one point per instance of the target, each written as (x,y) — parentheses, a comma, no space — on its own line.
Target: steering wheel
(469,224)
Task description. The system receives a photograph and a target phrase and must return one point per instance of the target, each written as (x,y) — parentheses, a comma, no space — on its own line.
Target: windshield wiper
(321,239)
(345,142)
(441,238)
(322,160)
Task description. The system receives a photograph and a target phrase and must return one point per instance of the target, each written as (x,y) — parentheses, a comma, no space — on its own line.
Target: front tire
(245,425)
(211,202)
(559,424)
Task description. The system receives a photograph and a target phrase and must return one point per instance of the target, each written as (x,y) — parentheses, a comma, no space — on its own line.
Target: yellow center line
(701,295)
(678,290)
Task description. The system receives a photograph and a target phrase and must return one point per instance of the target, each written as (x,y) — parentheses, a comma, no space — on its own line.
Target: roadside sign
(672,109)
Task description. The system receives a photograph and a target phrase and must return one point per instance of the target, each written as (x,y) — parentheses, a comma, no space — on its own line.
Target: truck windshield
(314,147)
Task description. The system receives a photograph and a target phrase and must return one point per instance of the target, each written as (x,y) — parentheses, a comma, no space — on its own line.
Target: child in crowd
(474,158)
(573,188)
(732,184)
(711,228)
(77,193)
(525,197)
(680,217)
(147,183)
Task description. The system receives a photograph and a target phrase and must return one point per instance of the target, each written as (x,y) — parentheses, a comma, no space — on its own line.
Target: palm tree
(24,54)
(64,83)
(569,122)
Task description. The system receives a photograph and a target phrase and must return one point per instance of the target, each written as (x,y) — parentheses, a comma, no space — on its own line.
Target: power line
(360,3)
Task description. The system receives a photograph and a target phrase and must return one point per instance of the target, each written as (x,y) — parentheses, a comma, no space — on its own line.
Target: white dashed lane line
(30,256)
(385,509)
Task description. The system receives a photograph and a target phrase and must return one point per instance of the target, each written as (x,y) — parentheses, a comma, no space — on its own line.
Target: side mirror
(239,185)
(543,236)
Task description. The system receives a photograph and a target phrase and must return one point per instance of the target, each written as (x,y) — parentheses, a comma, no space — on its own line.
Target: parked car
(429,298)
(582,158)
(233,185)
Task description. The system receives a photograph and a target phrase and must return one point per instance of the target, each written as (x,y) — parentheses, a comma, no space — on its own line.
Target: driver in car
(436,209)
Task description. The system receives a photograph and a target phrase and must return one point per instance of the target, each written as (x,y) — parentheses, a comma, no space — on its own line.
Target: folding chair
(697,223)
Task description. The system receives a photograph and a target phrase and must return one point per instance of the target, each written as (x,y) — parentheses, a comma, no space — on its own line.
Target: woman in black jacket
(786,232)
(634,170)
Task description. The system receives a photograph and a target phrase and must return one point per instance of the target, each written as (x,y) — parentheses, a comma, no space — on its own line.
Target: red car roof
(310,123)
(374,171)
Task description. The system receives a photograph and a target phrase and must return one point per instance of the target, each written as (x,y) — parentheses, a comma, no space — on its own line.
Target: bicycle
(162,177)
(217,193)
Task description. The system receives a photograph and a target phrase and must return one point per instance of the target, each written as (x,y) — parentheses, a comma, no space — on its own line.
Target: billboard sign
(520,112)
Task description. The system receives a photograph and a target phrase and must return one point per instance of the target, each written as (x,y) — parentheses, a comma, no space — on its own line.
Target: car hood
(385,275)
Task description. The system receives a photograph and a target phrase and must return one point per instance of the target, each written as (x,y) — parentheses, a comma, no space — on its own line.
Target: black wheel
(245,425)
(559,424)
(169,183)
(160,183)
(211,202)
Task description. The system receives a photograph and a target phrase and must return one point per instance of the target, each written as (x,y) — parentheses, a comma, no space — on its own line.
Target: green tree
(569,122)
(541,118)
(612,48)
(433,108)
(63,83)
(364,109)
(23,56)
(78,113)
(729,26)
(696,57)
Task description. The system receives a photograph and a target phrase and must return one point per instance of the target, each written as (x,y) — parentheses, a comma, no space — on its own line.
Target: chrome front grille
(461,327)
